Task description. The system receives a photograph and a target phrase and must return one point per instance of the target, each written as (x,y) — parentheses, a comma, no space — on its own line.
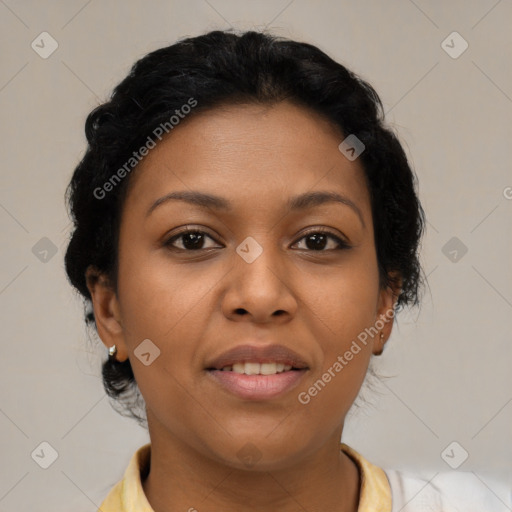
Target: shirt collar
(375,492)
(128,494)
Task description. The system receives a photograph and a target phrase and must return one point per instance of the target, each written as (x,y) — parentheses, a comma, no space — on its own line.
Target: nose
(260,291)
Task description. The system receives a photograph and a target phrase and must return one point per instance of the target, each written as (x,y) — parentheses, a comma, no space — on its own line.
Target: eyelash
(341,243)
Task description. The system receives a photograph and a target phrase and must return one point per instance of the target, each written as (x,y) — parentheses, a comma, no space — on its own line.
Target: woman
(245,228)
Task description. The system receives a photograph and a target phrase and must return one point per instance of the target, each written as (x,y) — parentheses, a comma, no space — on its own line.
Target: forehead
(262,153)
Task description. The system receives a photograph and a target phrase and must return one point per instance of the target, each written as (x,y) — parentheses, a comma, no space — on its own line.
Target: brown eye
(191,240)
(318,241)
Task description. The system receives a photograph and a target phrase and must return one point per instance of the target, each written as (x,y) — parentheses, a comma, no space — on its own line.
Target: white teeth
(239,367)
(257,368)
(268,368)
(252,368)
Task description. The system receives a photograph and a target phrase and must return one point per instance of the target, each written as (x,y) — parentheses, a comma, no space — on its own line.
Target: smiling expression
(269,180)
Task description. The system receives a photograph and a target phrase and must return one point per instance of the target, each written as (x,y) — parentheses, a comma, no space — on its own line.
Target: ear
(106,312)
(388,297)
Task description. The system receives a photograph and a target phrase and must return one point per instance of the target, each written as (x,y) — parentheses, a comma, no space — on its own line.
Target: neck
(181,478)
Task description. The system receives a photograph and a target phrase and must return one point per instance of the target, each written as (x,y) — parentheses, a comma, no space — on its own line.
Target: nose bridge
(259,286)
(260,257)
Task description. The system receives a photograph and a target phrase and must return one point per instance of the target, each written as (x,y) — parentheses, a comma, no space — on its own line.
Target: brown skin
(191,305)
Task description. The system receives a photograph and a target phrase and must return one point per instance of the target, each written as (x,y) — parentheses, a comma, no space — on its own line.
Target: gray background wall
(450,361)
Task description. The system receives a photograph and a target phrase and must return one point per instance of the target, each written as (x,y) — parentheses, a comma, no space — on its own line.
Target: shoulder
(454,491)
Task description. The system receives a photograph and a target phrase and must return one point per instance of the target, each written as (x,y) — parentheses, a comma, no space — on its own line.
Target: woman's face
(259,273)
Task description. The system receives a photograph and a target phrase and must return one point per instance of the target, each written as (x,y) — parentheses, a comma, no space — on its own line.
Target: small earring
(112,351)
(381,336)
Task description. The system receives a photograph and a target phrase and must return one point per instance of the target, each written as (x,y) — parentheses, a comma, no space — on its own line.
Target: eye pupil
(194,237)
(319,241)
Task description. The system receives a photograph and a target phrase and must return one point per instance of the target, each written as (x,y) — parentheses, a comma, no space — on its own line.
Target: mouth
(254,368)
(255,372)
(257,381)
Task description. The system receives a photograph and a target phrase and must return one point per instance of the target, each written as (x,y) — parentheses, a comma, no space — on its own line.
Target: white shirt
(455,491)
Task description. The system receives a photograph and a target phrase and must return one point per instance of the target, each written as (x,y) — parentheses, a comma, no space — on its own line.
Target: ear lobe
(378,347)
(386,313)
(106,311)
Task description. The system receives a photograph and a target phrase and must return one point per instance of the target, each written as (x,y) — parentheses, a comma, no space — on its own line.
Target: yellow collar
(128,494)
(375,494)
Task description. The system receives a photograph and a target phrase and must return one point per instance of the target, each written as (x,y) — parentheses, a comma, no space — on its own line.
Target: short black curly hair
(222,67)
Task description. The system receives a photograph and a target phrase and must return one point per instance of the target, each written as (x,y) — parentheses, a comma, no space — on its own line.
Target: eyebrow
(300,202)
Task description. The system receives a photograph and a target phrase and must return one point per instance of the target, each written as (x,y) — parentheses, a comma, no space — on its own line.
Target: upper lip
(257,354)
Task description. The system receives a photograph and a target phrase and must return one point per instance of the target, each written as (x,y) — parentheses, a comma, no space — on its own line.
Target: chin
(261,451)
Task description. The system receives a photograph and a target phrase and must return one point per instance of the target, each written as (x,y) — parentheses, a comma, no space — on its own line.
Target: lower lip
(257,387)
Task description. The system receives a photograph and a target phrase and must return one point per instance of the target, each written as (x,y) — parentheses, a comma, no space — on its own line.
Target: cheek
(169,304)
(158,297)
(344,314)
(347,297)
